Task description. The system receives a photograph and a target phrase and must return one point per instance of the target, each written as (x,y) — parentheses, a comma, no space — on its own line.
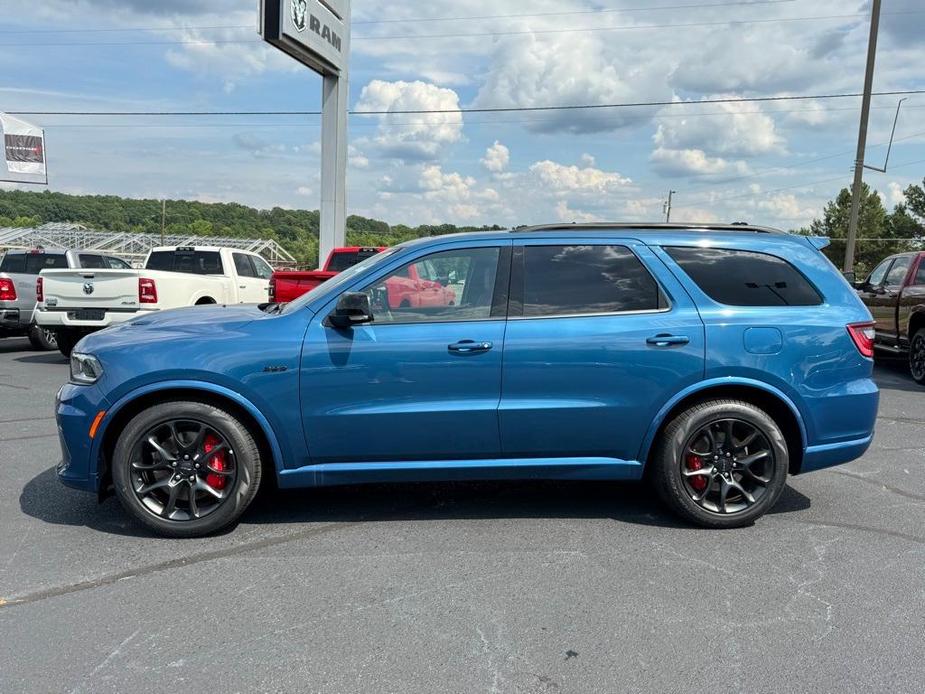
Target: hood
(174,323)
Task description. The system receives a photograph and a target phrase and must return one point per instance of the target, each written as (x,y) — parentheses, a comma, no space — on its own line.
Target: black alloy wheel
(917,357)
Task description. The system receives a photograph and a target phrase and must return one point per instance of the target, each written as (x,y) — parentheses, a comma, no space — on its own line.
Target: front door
(421,382)
(251,288)
(595,346)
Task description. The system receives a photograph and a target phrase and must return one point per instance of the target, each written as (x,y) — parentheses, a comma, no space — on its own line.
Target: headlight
(85,368)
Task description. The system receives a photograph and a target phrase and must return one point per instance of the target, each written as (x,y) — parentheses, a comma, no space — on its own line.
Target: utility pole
(667,206)
(848,265)
(163,218)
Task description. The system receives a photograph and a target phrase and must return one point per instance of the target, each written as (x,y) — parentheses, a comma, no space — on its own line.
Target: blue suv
(712,360)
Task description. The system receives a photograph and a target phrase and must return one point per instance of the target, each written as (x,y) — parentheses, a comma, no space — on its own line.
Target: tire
(66,340)
(129,454)
(686,436)
(404,304)
(42,338)
(917,357)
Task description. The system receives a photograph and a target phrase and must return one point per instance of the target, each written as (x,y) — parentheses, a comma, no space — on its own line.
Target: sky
(774,163)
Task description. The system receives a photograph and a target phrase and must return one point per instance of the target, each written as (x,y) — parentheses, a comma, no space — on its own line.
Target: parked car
(18,272)
(75,303)
(715,360)
(895,294)
(286,285)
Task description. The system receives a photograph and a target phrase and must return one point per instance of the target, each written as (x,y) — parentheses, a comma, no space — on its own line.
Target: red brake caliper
(218,462)
(698,482)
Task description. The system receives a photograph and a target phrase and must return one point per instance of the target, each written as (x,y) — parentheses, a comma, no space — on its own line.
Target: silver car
(19,271)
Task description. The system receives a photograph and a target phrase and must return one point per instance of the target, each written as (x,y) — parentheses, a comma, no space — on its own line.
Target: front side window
(898,272)
(745,278)
(579,279)
(261,267)
(876,277)
(453,285)
(920,275)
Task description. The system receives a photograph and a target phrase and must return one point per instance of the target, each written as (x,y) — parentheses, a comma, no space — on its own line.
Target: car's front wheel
(186,468)
(721,464)
(917,357)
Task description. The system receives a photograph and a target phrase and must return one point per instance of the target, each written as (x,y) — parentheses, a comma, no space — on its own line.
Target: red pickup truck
(286,285)
(895,294)
(413,286)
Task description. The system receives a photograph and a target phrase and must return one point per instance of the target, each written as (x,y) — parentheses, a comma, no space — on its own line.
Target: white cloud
(303,191)
(412,136)
(685,162)
(567,214)
(496,158)
(562,178)
(896,194)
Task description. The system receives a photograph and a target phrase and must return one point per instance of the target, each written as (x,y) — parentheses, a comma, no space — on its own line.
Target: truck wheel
(917,357)
(42,338)
(186,468)
(66,340)
(721,464)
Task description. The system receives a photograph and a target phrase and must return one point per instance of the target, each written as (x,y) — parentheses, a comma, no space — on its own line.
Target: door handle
(666,340)
(470,346)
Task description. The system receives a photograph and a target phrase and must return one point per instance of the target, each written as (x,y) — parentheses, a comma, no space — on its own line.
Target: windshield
(334,284)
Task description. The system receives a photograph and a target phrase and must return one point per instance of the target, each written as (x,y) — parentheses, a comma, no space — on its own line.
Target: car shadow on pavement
(43,358)
(45,498)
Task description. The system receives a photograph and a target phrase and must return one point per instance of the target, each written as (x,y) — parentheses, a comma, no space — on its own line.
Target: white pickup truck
(74,303)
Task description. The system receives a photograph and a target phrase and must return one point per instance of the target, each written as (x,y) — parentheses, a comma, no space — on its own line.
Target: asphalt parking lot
(501,587)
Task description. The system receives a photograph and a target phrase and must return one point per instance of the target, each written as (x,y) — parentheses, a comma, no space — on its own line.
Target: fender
(712,383)
(205,387)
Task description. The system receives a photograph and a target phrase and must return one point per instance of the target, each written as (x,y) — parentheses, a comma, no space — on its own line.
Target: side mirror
(352,309)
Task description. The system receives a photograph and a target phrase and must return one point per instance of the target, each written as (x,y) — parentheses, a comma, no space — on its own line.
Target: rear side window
(577,280)
(341,261)
(193,262)
(745,278)
(91,262)
(920,275)
(33,263)
(115,263)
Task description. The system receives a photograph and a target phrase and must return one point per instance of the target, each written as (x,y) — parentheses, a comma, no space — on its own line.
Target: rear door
(600,335)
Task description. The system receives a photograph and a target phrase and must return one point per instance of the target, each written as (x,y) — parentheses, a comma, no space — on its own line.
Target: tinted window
(462,288)
(33,263)
(91,262)
(569,280)
(195,262)
(242,263)
(745,278)
(341,261)
(897,273)
(876,277)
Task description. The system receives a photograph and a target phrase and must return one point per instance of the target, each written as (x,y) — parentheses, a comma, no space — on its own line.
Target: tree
(872,224)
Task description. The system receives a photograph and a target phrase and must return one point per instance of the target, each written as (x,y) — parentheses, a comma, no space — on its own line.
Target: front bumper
(75,409)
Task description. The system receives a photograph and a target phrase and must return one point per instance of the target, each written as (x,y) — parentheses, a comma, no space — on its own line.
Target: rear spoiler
(818,242)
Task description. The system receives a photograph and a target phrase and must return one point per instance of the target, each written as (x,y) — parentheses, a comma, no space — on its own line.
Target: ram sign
(314,32)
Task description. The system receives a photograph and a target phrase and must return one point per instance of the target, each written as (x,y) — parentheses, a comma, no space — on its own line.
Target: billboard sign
(314,32)
(23,150)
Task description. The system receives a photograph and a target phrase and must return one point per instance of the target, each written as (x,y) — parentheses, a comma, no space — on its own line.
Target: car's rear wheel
(721,464)
(917,357)
(186,468)
(42,338)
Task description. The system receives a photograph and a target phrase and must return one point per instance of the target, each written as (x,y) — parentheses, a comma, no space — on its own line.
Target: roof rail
(694,226)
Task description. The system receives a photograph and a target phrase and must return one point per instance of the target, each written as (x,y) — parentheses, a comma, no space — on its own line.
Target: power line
(413,20)
(495,34)
(489,109)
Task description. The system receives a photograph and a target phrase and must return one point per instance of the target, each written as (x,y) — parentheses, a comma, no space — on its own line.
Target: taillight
(7,290)
(40,289)
(272,289)
(147,291)
(863,335)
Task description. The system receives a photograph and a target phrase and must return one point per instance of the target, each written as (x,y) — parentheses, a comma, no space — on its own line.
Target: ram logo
(88,288)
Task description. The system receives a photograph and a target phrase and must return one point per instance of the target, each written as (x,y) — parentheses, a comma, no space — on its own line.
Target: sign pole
(333,223)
